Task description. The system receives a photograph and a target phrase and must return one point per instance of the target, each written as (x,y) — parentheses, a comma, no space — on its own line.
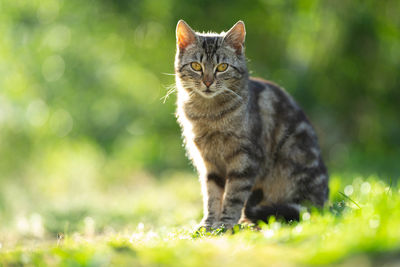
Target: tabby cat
(255,150)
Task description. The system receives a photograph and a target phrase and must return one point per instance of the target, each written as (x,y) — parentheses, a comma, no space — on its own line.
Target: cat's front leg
(213,189)
(237,191)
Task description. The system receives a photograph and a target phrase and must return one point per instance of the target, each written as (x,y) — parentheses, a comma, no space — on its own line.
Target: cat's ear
(184,35)
(235,37)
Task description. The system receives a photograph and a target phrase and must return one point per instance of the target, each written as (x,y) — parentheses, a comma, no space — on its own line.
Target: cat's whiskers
(229,91)
(171,89)
(193,93)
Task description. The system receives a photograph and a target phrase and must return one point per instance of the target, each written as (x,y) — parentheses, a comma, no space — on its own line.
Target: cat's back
(270,96)
(273,103)
(281,117)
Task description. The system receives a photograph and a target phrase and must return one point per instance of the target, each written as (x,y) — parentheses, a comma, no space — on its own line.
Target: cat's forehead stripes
(210,45)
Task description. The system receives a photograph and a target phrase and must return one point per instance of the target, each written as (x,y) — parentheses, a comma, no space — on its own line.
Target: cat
(256,152)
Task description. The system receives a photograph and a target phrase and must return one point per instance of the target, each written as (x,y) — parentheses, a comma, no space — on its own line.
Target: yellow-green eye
(196,66)
(222,67)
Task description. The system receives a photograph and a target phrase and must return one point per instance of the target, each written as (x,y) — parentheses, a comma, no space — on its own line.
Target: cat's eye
(222,67)
(196,66)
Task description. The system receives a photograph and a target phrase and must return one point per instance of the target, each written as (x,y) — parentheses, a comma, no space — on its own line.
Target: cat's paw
(204,227)
(205,224)
(223,225)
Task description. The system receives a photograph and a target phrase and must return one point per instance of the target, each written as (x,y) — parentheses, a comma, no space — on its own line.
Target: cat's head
(210,64)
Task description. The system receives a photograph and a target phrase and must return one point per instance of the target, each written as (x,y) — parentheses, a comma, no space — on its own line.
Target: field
(92,167)
(153,224)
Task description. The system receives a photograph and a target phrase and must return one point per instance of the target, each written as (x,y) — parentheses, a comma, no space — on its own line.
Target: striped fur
(255,150)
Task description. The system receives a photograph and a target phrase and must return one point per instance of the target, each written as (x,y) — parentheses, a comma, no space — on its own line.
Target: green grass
(152,224)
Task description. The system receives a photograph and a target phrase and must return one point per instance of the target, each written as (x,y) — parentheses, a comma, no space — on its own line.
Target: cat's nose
(208,83)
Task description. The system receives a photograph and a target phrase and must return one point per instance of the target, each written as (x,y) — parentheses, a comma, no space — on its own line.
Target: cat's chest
(216,144)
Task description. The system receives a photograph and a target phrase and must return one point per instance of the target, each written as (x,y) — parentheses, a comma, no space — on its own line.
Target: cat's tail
(288,212)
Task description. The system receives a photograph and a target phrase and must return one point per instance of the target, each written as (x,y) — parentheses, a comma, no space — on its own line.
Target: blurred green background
(81,86)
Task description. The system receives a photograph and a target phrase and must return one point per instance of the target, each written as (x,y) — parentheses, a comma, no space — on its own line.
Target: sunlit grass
(153,224)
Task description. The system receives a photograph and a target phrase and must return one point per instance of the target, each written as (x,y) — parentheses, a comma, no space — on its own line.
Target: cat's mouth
(208,93)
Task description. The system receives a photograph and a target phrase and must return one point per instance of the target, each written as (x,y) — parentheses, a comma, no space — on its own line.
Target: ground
(152,223)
